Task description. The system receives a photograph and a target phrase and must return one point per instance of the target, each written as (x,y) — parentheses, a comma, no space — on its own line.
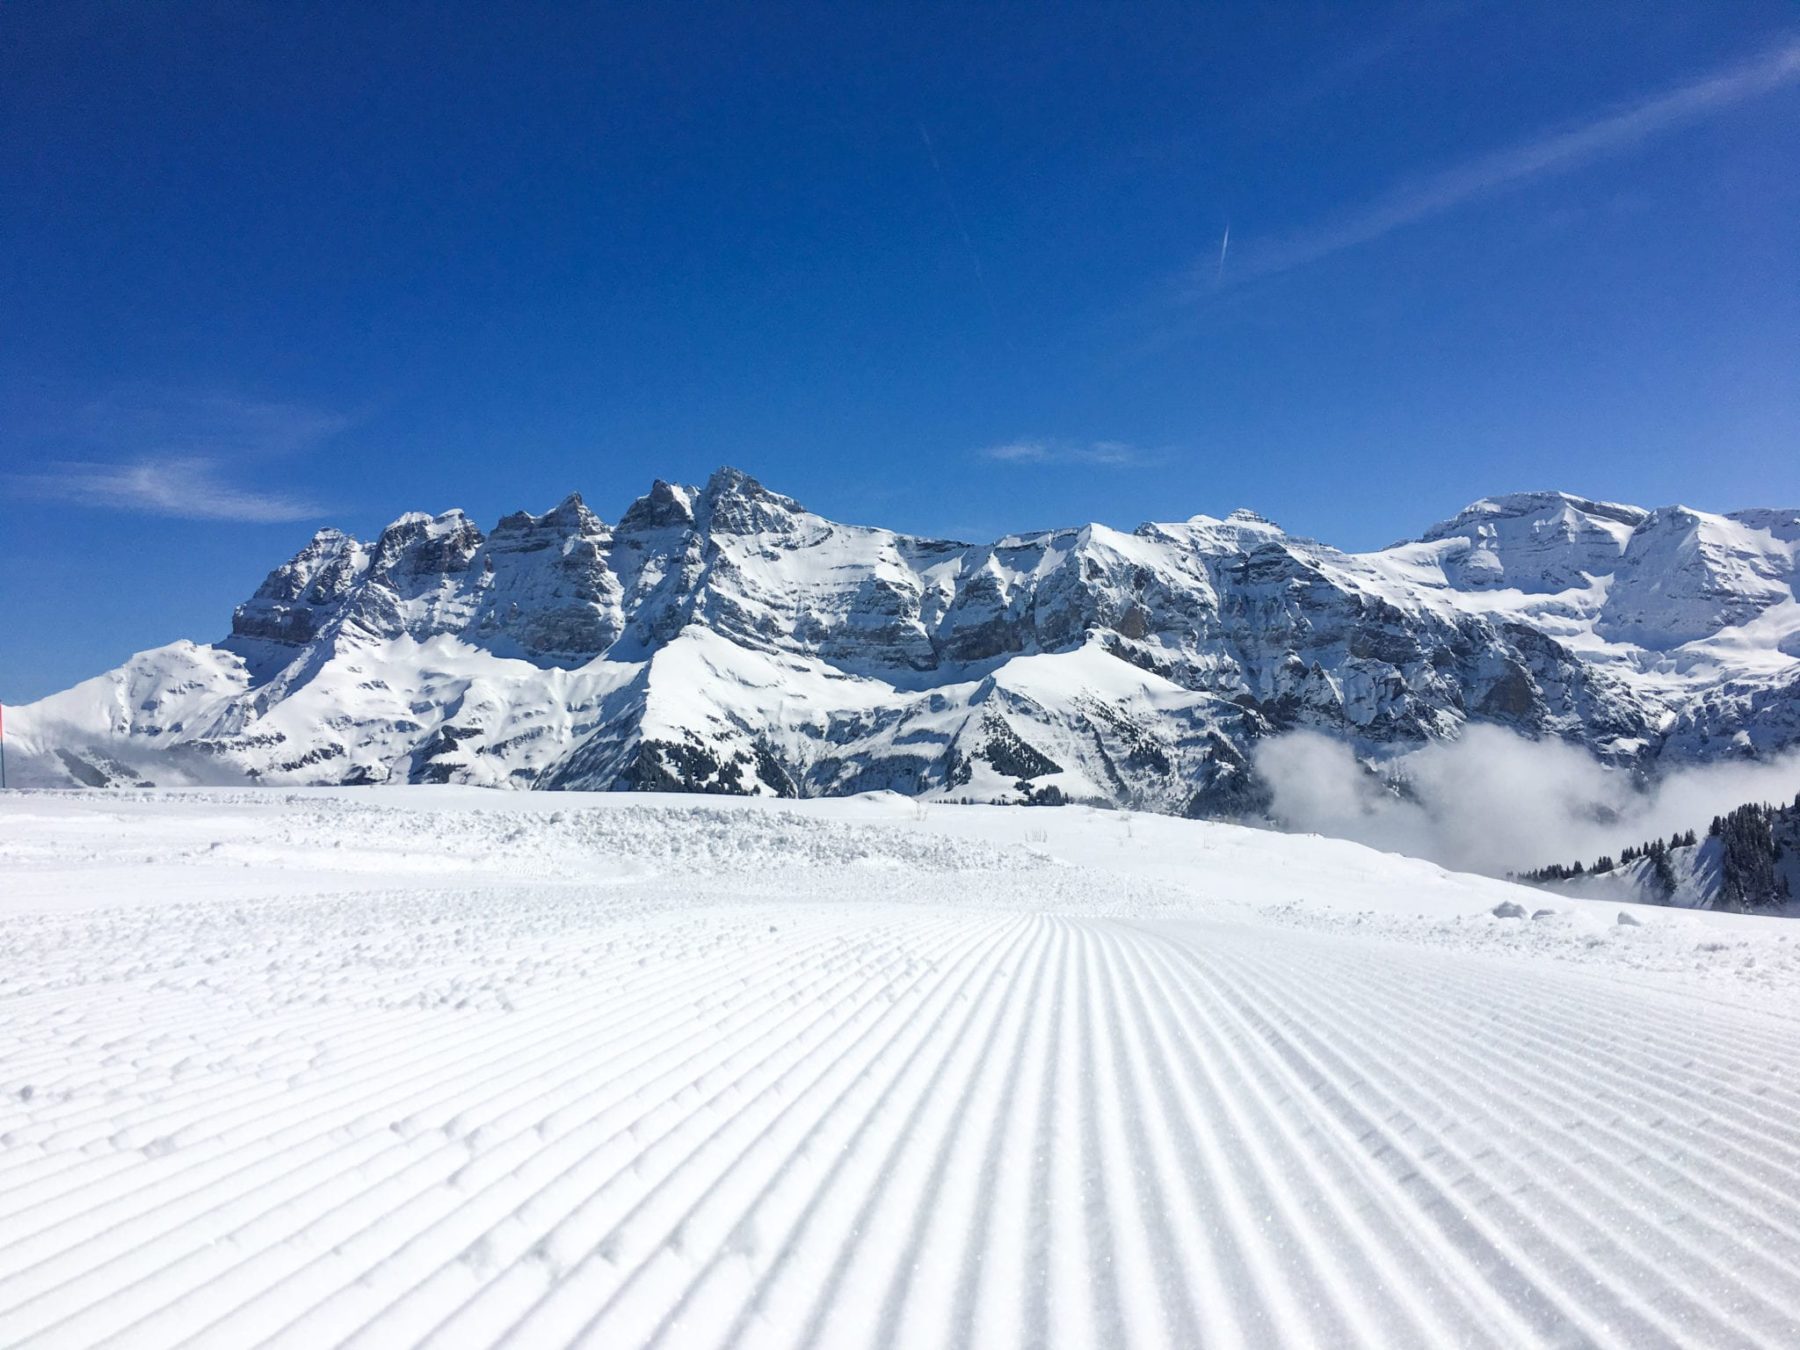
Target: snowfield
(451,1067)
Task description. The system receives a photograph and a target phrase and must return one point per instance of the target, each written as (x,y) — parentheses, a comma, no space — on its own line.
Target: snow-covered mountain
(722,638)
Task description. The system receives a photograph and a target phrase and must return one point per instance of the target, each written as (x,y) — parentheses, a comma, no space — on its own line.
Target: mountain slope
(723,638)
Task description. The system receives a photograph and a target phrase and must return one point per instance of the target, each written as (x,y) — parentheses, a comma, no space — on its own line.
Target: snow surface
(454,1067)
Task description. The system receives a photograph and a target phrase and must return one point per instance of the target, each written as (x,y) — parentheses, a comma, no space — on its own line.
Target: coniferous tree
(1747,876)
(1662,872)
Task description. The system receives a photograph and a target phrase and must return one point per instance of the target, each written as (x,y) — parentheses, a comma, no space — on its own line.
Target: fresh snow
(442,1066)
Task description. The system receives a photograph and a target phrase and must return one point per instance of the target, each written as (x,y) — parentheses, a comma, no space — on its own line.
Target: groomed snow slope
(446,1067)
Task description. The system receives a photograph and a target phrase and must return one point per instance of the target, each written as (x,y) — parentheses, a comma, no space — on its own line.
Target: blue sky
(955,269)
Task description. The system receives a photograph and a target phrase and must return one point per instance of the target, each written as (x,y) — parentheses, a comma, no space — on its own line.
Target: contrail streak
(963,230)
(1773,69)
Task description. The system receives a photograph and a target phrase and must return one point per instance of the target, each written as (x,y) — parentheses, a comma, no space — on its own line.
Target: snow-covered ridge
(722,638)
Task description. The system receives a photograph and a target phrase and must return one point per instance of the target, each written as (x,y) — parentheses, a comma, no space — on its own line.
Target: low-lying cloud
(1494,802)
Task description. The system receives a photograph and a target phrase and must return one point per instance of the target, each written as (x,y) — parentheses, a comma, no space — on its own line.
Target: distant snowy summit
(722,638)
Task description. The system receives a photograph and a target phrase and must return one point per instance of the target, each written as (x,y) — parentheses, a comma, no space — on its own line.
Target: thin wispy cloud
(1529,161)
(178,421)
(1094,454)
(186,488)
(156,450)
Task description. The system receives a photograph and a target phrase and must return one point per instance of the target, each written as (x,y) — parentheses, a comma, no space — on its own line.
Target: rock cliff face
(722,638)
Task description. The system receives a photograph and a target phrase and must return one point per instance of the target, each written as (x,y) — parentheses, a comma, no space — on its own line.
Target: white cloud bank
(1494,802)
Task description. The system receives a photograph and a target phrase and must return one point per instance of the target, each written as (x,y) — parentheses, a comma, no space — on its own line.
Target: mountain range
(722,638)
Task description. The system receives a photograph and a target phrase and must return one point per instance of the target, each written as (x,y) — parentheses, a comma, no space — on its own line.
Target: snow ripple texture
(974,1094)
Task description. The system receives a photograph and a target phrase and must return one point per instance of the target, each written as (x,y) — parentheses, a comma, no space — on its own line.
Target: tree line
(1751,842)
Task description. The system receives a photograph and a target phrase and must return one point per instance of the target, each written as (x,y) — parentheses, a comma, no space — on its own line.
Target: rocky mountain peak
(1549,508)
(420,545)
(572,514)
(1536,542)
(665,507)
(732,502)
(568,518)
